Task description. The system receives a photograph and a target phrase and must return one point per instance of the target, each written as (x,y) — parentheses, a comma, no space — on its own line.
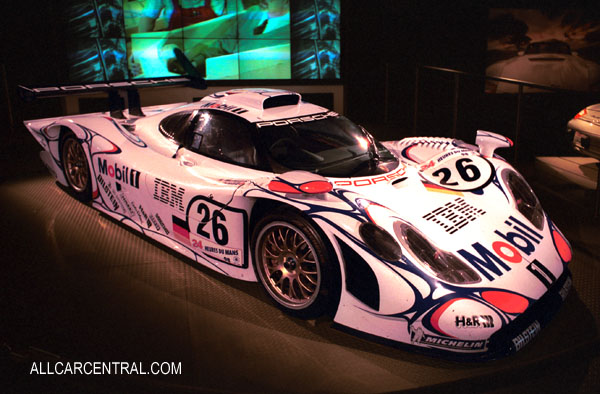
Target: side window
(174,126)
(223,137)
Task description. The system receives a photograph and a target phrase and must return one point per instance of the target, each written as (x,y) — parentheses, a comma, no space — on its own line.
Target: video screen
(223,39)
(556,48)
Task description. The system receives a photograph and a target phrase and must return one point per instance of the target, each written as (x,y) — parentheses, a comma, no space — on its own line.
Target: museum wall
(382,43)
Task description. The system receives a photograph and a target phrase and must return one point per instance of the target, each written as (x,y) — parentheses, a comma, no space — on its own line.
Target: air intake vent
(280,101)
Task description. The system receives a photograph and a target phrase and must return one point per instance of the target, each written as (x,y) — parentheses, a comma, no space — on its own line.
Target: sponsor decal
(137,212)
(450,153)
(302,119)
(427,165)
(419,337)
(564,291)
(526,336)
(224,107)
(227,255)
(154,222)
(454,215)
(145,217)
(474,321)
(122,174)
(169,194)
(542,273)
(521,239)
(374,180)
(127,204)
(108,191)
(162,224)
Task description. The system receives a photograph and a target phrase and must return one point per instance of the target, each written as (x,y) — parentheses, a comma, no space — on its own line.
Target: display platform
(78,286)
(582,171)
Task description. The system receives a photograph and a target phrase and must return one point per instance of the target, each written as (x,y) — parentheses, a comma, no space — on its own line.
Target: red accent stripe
(316,187)
(277,186)
(435,318)
(562,246)
(507,302)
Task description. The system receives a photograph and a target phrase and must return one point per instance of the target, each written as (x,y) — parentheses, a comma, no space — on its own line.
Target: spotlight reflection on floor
(84,287)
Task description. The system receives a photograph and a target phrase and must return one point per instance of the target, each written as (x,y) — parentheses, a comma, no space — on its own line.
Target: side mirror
(488,142)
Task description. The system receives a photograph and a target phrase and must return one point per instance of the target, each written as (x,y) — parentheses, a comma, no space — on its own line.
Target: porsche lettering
(310,118)
(372,181)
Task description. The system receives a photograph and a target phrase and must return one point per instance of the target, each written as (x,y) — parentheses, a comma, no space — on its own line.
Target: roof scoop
(488,142)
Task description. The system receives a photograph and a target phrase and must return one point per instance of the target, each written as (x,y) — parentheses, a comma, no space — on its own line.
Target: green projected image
(224,39)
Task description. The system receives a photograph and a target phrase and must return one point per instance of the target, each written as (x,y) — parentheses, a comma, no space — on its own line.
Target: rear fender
(49,134)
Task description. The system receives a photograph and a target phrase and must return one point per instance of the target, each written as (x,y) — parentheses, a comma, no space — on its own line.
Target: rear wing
(116,104)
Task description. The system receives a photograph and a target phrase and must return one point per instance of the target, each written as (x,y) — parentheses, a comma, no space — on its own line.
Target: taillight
(581,113)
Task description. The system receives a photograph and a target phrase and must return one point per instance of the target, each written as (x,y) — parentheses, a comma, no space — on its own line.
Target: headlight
(444,265)
(526,201)
(380,241)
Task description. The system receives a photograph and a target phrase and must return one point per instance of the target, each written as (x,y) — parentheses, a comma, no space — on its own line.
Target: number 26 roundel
(459,170)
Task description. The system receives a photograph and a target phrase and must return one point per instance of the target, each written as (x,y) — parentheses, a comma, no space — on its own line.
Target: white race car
(426,241)
(548,63)
(585,127)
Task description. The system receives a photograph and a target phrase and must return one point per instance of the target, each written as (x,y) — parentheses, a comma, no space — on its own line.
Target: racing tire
(76,168)
(294,265)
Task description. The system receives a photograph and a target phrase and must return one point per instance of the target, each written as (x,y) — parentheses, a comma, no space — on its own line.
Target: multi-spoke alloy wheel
(76,168)
(290,262)
(288,265)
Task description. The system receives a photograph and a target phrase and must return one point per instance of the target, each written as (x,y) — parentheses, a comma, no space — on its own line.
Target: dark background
(383,41)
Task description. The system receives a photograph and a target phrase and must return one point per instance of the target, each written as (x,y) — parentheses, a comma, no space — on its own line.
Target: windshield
(333,146)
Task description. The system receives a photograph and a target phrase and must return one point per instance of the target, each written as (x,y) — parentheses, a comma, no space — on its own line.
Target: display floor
(77,286)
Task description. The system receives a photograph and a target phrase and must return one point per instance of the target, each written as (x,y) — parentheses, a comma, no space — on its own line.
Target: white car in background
(548,63)
(585,127)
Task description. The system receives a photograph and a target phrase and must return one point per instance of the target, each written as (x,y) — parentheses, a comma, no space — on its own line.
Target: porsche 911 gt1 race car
(430,242)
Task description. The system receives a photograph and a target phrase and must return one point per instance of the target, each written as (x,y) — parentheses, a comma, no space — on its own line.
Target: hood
(476,220)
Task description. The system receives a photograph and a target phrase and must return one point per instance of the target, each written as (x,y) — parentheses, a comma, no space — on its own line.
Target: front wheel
(76,168)
(294,266)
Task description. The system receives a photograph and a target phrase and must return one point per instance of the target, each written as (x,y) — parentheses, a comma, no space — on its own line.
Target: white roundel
(461,170)
(466,319)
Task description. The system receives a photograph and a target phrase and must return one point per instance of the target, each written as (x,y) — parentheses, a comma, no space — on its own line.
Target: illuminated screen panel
(224,39)
(560,49)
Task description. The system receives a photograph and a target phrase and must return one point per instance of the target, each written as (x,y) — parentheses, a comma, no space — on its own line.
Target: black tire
(294,265)
(76,167)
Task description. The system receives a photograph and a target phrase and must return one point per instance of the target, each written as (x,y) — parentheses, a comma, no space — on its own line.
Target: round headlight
(444,265)
(380,241)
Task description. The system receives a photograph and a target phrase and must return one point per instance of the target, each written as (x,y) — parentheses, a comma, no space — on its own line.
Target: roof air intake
(280,101)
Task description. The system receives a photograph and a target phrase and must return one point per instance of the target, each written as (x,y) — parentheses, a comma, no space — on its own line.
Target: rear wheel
(293,264)
(76,168)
